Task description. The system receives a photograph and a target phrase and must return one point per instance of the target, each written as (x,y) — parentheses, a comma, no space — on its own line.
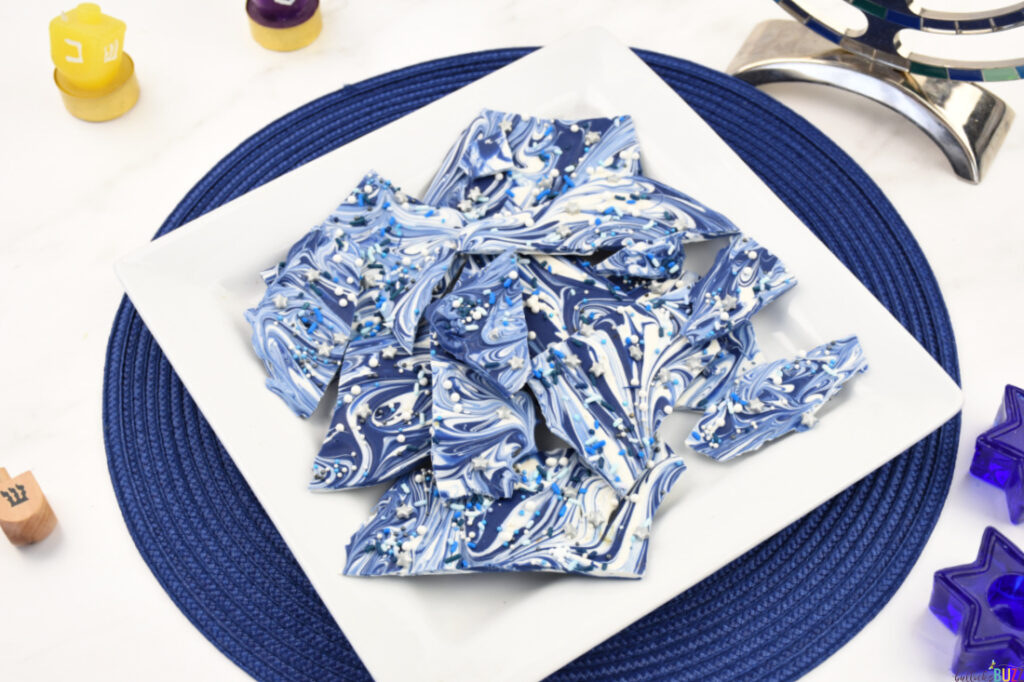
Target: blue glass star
(983,603)
(999,453)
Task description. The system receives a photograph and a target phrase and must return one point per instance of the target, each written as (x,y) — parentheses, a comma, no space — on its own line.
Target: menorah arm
(967,122)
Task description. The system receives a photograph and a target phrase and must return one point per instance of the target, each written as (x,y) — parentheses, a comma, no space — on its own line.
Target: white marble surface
(83,604)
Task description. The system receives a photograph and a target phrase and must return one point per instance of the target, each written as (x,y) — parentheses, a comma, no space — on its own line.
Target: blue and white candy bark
(776,398)
(610,211)
(629,362)
(604,392)
(381,422)
(561,518)
(556,290)
(479,432)
(707,373)
(743,279)
(507,162)
(480,322)
(302,325)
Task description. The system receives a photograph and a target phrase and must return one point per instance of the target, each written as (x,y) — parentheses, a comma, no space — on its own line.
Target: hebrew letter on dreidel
(25,515)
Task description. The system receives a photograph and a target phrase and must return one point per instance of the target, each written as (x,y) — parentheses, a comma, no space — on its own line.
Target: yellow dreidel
(284,25)
(95,76)
(25,515)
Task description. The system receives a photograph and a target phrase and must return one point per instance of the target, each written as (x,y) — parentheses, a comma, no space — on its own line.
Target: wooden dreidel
(25,515)
(284,25)
(96,78)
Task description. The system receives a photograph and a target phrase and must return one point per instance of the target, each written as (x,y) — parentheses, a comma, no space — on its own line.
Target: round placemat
(773,613)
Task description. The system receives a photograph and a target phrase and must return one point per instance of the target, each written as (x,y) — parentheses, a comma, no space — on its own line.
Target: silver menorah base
(966,121)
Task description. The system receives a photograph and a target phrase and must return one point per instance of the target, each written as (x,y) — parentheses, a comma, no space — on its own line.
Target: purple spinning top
(983,603)
(281,13)
(999,453)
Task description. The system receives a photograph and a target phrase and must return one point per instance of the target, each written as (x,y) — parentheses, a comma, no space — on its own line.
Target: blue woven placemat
(774,613)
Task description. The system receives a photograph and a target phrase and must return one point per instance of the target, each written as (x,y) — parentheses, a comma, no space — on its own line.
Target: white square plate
(192,286)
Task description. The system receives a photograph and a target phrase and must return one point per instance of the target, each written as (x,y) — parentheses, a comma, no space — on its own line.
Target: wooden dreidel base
(25,515)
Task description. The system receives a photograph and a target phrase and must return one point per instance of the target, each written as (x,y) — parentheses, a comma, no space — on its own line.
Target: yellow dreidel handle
(96,78)
(25,515)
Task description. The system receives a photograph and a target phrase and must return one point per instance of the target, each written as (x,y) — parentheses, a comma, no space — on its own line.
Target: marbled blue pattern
(561,518)
(479,433)
(505,162)
(708,372)
(775,398)
(743,279)
(541,265)
(556,290)
(302,325)
(610,211)
(481,323)
(381,422)
(604,392)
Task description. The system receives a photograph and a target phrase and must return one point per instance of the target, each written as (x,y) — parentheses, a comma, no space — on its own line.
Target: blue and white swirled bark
(709,371)
(603,391)
(610,211)
(775,398)
(481,323)
(301,326)
(561,518)
(556,290)
(479,433)
(743,279)
(381,422)
(507,162)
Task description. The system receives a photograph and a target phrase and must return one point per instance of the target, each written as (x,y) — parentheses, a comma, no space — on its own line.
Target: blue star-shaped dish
(983,603)
(999,453)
